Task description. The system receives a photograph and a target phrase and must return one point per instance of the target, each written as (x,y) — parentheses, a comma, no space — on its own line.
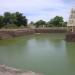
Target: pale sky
(38,9)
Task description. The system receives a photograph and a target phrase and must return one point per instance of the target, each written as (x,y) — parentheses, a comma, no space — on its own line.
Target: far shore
(10,33)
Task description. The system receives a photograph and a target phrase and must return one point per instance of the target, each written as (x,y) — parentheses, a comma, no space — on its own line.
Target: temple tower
(71,22)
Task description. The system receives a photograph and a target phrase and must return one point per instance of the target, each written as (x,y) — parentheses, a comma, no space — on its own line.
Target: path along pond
(49,54)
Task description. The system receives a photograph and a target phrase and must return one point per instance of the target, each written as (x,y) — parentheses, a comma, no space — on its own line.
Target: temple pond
(49,54)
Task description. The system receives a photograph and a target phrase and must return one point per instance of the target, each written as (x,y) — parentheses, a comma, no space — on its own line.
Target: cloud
(38,9)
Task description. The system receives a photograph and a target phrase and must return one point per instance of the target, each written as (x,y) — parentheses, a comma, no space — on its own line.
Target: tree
(40,23)
(50,23)
(57,21)
(13,18)
(65,24)
(20,19)
(7,18)
(31,23)
(1,21)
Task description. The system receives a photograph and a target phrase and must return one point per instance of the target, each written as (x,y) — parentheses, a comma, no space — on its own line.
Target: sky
(38,9)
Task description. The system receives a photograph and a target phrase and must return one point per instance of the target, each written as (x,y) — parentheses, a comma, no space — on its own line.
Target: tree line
(16,18)
(57,21)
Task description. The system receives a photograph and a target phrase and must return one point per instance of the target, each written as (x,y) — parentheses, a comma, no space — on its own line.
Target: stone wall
(10,33)
(70,37)
(71,28)
(50,30)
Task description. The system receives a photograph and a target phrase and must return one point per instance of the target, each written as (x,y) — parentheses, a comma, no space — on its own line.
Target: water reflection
(71,52)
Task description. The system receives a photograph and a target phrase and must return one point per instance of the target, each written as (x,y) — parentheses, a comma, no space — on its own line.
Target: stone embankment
(70,37)
(10,33)
(5,70)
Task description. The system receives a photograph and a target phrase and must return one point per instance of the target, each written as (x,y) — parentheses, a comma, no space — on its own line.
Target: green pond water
(49,54)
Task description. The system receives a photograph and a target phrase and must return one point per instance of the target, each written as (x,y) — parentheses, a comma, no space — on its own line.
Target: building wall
(71,28)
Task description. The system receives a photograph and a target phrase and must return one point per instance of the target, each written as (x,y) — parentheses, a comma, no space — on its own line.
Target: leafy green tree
(20,19)
(1,21)
(14,18)
(40,23)
(49,23)
(7,18)
(57,21)
(65,24)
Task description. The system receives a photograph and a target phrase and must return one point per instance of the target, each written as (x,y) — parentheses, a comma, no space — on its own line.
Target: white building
(71,22)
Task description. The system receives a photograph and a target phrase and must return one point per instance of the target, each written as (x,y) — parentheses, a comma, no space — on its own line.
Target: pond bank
(5,70)
(70,37)
(10,33)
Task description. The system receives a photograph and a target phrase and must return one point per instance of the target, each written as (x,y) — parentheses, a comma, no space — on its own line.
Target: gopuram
(71,22)
(71,27)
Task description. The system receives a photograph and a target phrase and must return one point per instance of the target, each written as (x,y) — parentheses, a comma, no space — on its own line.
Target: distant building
(71,22)
(31,26)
